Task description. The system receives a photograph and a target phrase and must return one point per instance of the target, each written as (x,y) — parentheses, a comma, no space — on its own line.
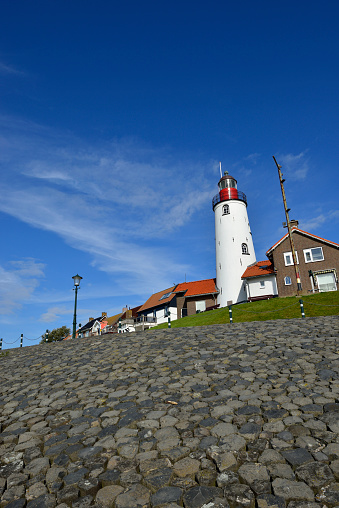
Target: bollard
(21,339)
(302,309)
(0,344)
(230,313)
(119,325)
(169,322)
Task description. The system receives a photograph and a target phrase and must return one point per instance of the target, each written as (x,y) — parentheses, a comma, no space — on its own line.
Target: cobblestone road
(239,415)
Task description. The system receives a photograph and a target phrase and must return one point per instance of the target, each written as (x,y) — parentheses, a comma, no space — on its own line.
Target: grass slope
(321,304)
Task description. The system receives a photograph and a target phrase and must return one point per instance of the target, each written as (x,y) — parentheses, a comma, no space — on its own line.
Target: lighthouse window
(225,210)
(244,248)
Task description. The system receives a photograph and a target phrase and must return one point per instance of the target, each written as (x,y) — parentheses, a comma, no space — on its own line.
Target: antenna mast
(220,169)
(281,179)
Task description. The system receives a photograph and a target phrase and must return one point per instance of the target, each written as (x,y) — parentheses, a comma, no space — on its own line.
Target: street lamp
(76,280)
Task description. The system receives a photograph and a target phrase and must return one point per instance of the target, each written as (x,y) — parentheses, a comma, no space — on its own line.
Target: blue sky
(113,119)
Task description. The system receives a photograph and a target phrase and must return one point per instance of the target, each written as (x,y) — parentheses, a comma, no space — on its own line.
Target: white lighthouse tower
(233,241)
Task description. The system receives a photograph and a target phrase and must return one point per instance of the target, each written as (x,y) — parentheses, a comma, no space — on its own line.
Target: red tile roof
(198,287)
(297,230)
(154,300)
(258,269)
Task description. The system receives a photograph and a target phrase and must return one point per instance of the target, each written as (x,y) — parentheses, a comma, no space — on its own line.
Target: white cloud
(312,224)
(17,283)
(54,313)
(295,167)
(114,201)
(7,69)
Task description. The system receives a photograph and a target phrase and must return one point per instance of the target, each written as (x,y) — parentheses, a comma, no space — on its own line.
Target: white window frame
(290,280)
(262,284)
(309,251)
(290,254)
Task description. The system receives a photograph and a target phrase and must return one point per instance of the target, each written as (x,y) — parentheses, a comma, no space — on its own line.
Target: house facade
(318,263)
(197,296)
(260,281)
(159,307)
(178,301)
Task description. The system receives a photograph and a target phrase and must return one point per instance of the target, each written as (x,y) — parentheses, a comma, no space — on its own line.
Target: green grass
(322,304)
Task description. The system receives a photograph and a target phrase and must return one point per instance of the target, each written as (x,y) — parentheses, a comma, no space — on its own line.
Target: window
(262,284)
(289,258)
(326,282)
(315,254)
(244,248)
(200,306)
(225,210)
(166,295)
(288,281)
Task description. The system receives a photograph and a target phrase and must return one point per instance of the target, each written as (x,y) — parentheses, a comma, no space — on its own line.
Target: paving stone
(239,496)
(315,474)
(68,494)
(297,457)
(106,496)
(36,490)
(158,478)
(137,496)
(329,495)
(166,495)
(43,501)
(197,497)
(291,490)
(186,467)
(270,501)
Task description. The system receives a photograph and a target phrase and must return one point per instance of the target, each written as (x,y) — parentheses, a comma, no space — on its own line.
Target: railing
(219,199)
(145,319)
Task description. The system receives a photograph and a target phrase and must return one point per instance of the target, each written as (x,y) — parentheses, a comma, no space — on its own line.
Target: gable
(304,234)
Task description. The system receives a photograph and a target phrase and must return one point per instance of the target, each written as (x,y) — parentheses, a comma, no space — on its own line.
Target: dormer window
(244,248)
(225,210)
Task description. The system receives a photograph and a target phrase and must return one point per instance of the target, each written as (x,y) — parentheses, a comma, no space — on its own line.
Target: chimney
(90,319)
(104,314)
(293,224)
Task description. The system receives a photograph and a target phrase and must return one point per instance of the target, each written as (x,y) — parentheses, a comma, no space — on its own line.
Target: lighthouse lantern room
(233,241)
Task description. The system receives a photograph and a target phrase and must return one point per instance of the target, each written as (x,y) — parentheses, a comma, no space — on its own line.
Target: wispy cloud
(111,200)
(18,282)
(295,167)
(8,69)
(54,313)
(314,223)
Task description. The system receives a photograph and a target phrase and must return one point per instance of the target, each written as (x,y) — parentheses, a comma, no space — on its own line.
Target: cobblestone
(229,416)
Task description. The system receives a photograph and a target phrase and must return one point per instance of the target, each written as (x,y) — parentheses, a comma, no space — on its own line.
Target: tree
(55,335)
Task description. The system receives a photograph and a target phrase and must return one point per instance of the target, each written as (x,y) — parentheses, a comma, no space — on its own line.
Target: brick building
(318,263)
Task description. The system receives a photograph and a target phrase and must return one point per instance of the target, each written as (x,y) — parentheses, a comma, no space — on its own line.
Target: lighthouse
(233,241)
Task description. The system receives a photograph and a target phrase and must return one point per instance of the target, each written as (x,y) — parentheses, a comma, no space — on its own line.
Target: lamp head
(77,280)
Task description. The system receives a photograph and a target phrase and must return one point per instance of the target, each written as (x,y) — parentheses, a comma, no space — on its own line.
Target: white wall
(231,230)
(160,315)
(254,289)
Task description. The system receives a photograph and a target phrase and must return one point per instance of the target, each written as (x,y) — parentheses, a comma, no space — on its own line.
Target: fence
(21,339)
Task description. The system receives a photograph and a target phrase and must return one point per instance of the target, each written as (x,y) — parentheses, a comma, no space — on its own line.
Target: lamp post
(77,280)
